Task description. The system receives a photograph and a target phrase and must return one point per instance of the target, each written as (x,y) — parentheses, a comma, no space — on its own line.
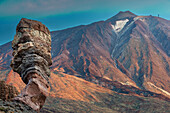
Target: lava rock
(32,58)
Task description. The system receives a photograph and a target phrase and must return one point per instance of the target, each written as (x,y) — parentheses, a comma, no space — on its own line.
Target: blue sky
(61,14)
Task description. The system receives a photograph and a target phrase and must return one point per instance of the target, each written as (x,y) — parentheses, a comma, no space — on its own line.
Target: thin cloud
(41,8)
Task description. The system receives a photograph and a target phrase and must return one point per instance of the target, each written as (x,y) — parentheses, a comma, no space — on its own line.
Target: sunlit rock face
(32,58)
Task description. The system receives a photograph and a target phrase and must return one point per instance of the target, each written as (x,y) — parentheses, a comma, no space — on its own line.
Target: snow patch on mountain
(127,83)
(119,25)
(158,88)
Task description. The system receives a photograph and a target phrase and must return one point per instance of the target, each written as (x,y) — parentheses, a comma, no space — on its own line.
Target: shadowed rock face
(32,58)
(7,93)
(14,107)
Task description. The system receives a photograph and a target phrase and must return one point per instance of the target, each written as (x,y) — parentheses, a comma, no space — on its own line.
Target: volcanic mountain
(133,50)
(126,53)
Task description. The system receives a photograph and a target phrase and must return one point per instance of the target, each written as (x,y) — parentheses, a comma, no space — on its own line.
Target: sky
(62,14)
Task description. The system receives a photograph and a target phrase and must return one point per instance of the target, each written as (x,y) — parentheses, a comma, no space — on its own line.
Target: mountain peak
(126,12)
(123,15)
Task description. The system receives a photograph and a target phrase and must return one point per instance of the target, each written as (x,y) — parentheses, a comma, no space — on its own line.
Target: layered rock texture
(32,58)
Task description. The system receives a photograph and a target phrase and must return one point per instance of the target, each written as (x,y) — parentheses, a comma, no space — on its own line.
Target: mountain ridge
(128,50)
(101,24)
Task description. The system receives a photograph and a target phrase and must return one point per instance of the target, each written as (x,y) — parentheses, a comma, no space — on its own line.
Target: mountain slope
(128,49)
(109,103)
(73,94)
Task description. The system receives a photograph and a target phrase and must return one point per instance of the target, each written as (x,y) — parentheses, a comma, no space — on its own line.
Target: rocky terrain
(14,107)
(7,105)
(113,65)
(74,94)
(7,92)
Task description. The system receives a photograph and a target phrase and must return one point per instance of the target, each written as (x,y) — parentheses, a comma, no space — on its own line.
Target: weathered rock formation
(32,58)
